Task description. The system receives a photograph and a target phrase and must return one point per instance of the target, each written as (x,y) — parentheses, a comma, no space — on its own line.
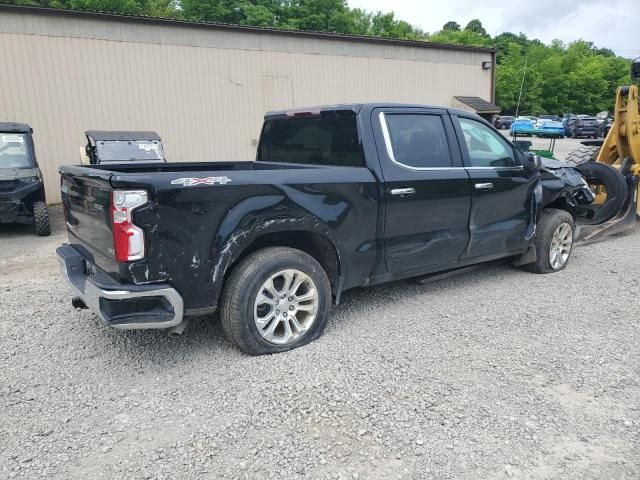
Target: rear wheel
(582,154)
(41,219)
(554,241)
(276,300)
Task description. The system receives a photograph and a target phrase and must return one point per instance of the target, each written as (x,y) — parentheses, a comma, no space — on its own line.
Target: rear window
(127,150)
(330,139)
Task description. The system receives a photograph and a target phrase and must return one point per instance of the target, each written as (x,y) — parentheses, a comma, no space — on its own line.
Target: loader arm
(623,139)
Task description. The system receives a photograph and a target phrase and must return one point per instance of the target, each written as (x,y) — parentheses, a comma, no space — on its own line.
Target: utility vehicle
(123,146)
(22,195)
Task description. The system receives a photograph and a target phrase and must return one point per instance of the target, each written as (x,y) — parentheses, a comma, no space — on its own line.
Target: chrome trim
(403,191)
(387,137)
(484,186)
(91,294)
(514,168)
(387,142)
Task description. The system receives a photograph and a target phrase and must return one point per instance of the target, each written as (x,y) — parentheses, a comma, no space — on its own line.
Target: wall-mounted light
(487,65)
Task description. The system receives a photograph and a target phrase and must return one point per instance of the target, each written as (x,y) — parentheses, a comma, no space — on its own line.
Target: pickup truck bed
(191,238)
(339,197)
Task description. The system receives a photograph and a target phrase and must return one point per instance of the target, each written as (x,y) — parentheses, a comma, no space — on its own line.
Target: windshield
(127,150)
(15,151)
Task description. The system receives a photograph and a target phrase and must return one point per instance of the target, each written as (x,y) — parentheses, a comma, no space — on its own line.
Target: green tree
(463,37)
(453,26)
(475,26)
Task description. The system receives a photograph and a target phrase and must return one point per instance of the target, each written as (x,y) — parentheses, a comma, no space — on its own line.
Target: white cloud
(606,23)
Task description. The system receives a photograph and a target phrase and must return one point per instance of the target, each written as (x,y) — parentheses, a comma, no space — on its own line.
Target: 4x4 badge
(192,181)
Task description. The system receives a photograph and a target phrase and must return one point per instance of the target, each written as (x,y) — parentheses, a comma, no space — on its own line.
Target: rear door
(426,189)
(502,217)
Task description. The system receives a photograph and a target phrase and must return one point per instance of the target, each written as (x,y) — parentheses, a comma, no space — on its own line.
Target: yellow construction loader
(612,168)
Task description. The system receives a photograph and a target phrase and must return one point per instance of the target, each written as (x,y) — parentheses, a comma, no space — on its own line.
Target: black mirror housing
(532,162)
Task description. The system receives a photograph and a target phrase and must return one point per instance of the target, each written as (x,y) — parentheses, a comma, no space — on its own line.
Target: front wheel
(555,234)
(276,299)
(41,219)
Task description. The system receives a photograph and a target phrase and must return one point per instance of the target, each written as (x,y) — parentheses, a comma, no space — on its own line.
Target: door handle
(484,186)
(403,191)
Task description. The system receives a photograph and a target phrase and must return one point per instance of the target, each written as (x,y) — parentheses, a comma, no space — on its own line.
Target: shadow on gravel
(10,230)
(16,230)
(205,335)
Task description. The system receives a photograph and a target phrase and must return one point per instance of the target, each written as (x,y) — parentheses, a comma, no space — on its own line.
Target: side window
(486,147)
(417,140)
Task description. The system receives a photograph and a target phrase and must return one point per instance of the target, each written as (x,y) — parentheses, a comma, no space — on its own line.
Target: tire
(240,311)
(616,187)
(582,154)
(41,219)
(551,221)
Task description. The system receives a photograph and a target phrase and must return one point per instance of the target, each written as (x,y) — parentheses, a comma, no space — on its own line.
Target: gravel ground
(493,374)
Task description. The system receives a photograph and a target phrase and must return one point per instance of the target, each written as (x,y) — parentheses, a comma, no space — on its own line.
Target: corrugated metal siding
(204,97)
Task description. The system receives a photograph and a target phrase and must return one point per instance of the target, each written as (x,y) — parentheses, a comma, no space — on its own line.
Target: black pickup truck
(339,197)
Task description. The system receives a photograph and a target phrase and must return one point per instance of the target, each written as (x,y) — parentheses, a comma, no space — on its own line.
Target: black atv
(22,198)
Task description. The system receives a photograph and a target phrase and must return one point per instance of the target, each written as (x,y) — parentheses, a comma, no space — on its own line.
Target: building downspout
(493,77)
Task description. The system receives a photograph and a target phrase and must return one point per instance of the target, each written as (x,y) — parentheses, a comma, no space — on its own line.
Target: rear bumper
(586,131)
(120,306)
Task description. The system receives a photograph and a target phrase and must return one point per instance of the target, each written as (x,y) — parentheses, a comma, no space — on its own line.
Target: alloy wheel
(560,246)
(286,306)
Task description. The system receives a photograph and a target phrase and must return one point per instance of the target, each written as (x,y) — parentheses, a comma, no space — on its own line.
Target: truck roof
(14,127)
(354,107)
(123,136)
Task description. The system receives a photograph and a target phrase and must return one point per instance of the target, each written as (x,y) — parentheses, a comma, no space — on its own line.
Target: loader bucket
(624,220)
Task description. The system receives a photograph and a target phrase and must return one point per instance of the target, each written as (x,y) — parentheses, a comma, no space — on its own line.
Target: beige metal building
(203,87)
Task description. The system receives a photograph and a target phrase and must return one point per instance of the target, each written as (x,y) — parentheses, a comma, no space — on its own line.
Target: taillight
(128,239)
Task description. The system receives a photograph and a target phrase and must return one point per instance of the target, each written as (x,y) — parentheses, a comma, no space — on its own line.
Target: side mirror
(532,162)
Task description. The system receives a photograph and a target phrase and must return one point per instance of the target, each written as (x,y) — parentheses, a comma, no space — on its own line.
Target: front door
(426,188)
(502,217)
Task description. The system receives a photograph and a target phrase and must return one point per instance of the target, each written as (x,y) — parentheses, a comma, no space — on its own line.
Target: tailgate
(86,196)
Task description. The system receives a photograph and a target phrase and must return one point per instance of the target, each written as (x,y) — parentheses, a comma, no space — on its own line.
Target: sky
(607,23)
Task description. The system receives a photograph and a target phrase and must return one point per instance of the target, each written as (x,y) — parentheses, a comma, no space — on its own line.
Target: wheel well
(561,204)
(316,245)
